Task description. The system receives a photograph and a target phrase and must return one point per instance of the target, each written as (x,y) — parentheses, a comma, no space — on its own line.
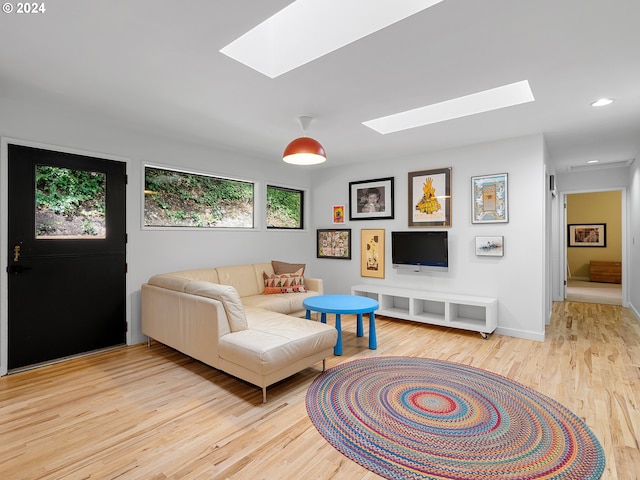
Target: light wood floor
(152,413)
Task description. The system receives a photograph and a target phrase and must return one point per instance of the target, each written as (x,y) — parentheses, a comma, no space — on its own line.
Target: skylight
(603,102)
(308,29)
(485,101)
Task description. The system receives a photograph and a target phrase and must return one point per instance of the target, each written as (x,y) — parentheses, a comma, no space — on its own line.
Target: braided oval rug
(416,418)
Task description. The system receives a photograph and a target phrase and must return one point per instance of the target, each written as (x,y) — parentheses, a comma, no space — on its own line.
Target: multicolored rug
(416,418)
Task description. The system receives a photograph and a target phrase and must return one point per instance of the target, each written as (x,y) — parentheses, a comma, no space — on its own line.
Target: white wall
(593,180)
(550,250)
(516,279)
(155,251)
(633,202)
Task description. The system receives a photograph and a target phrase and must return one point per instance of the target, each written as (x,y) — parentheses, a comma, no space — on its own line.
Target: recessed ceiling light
(308,29)
(593,161)
(602,102)
(500,97)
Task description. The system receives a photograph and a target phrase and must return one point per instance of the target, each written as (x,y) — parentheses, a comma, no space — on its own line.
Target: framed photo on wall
(334,243)
(489,202)
(490,246)
(338,214)
(371,199)
(430,198)
(587,235)
(372,253)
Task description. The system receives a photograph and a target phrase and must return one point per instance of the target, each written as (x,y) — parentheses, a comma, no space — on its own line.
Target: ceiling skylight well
(500,97)
(603,102)
(308,29)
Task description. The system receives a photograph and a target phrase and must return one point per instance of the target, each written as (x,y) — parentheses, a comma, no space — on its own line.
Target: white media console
(479,314)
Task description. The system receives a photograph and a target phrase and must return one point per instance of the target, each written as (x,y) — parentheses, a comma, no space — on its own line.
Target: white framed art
(490,246)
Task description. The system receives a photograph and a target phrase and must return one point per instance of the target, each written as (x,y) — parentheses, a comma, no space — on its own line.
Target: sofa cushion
(178,280)
(284,267)
(228,296)
(274,341)
(169,281)
(288,303)
(284,283)
(205,274)
(242,278)
(275,303)
(296,299)
(260,269)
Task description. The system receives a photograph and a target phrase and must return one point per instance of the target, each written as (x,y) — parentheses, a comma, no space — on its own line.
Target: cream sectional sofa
(221,317)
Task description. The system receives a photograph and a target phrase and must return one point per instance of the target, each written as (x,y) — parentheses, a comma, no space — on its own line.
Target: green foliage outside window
(63,190)
(69,203)
(284,208)
(190,200)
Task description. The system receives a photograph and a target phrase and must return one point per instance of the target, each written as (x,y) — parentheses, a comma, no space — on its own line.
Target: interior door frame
(4,235)
(561,291)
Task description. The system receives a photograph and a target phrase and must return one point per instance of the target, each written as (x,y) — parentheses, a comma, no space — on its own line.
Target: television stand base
(468,312)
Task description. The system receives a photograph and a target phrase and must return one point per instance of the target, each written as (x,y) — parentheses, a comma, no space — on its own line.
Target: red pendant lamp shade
(304,150)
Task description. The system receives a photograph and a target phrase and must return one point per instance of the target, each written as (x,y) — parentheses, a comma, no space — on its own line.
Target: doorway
(66,255)
(601,214)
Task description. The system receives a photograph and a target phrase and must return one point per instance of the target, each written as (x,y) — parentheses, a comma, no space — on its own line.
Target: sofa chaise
(227,318)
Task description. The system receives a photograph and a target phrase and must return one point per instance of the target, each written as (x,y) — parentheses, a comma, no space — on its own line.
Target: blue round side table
(344,304)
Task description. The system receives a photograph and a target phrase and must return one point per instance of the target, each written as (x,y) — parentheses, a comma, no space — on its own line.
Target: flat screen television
(419,251)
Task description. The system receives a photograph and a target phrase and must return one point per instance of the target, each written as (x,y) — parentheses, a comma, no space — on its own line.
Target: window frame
(256,192)
(301,191)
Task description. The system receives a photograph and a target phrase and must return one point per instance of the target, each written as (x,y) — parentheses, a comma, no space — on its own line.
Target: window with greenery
(69,203)
(180,199)
(285,207)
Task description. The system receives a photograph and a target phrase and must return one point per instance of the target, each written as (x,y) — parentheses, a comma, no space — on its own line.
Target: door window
(69,203)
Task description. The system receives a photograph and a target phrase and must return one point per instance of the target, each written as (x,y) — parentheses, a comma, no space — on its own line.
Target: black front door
(66,255)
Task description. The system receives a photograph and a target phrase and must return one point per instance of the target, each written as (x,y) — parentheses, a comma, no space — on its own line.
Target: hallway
(593,292)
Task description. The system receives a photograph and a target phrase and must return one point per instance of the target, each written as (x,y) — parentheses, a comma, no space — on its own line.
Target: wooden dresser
(605,272)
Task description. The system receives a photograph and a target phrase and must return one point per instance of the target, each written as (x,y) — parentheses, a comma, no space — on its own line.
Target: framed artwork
(372,253)
(490,246)
(489,199)
(430,198)
(587,235)
(334,243)
(371,199)
(338,214)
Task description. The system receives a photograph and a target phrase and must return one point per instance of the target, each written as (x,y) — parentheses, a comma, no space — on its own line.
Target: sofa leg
(264,394)
(324,364)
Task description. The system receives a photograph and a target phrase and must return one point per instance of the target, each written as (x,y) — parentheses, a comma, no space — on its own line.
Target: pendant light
(304,150)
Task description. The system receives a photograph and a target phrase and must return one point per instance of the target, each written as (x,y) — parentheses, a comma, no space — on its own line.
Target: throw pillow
(284,283)
(284,267)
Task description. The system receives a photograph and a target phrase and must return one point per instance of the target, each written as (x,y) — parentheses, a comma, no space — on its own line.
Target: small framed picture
(334,243)
(338,214)
(490,246)
(587,235)
(489,199)
(371,199)
(372,253)
(430,198)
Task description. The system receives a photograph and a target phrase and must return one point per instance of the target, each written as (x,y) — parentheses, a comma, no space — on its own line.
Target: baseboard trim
(581,279)
(525,334)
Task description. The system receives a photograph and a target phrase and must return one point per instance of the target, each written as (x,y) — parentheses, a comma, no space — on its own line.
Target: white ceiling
(155,65)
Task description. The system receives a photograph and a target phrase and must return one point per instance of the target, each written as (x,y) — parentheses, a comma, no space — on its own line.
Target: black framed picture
(371,199)
(587,235)
(430,198)
(334,243)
